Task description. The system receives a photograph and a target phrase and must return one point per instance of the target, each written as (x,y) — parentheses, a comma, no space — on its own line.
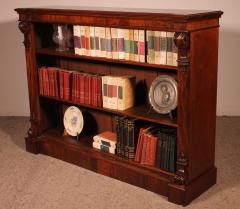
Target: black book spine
(118,135)
(131,147)
(126,139)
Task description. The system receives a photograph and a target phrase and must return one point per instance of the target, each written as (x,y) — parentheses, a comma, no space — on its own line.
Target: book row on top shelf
(131,45)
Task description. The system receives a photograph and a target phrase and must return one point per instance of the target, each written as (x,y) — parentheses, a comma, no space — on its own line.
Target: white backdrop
(13,83)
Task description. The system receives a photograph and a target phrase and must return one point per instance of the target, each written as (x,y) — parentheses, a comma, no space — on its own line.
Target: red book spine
(47,82)
(40,81)
(51,84)
(151,154)
(61,84)
(87,93)
(74,87)
(94,91)
(139,146)
(99,91)
(44,81)
(81,88)
(66,76)
(77,88)
(144,149)
(56,83)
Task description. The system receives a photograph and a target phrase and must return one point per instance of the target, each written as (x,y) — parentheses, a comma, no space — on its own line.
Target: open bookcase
(196,39)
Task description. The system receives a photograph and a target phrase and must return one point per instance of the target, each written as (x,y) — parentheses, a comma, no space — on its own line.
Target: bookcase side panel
(202,107)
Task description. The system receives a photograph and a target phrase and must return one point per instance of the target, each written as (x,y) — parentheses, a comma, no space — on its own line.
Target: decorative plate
(73,121)
(163,94)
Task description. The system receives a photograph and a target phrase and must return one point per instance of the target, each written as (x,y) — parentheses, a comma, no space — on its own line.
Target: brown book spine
(151,155)
(56,83)
(47,82)
(74,87)
(77,88)
(94,91)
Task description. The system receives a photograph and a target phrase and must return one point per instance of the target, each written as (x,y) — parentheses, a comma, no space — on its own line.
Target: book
(136,39)
(175,53)
(102,36)
(105,91)
(163,48)
(97,31)
(92,42)
(40,80)
(114,37)
(170,48)
(141,45)
(150,47)
(120,43)
(107,138)
(87,41)
(156,44)
(126,44)
(126,87)
(108,43)
(76,36)
(103,148)
(131,39)
(82,40)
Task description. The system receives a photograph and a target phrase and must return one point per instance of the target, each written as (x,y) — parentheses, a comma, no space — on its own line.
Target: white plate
(73,121)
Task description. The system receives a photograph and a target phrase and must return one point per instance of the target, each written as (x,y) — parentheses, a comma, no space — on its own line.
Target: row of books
(115,43)
(161,48)
(127,130)
(157,147)
(48,81)
(105,142)
(113,92)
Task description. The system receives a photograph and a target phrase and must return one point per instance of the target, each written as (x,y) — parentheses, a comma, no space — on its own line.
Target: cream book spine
(99,140)
(126,44)
(141,45)
(92,42)
(105,91)
(82,38)
(136,47)
(114,36)
(108,43)
(76,39)
(87,40)
(120,43)
(150,47)
(102,37)
(97,41)
(163,48)
(156,47)
(170,48)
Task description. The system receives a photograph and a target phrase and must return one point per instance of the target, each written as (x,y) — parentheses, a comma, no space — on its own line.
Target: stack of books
(48,85)
(127,130)
(157,147)
(115,43)
(161,48)
(118,92)
(105,141)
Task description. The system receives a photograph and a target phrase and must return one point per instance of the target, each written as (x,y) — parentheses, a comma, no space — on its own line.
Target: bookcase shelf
(140,112)
(71,54)
(196,39)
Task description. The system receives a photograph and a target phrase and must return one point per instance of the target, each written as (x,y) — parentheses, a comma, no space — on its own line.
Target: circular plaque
(73,121)
(163,94)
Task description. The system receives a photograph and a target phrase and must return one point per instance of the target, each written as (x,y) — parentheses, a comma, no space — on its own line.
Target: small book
(156,47)
(150,47)
(97,31)
(105,91)
(170,48)
(175,53)
(106,138)
(103,148)
(87,41)
(76,36)
(131,39)
(114,37)
(126,44)
(136,39)
(163,48)
(102,36)
(108,43)
(120,43)
(141,45)
(92,42)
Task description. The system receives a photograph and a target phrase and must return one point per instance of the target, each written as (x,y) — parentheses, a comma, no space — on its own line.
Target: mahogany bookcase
(196,37)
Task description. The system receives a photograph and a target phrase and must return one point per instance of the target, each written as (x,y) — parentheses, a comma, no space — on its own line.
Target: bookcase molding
(196,38)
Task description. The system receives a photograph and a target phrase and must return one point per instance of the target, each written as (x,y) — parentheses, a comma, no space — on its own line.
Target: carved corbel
(181,175)
(24,27)
(182,41)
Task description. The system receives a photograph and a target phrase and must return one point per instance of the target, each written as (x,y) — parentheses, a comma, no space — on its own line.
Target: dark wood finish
(196,36)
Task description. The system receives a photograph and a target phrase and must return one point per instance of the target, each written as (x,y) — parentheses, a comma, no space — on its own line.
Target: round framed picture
(163,94)
(73,121)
